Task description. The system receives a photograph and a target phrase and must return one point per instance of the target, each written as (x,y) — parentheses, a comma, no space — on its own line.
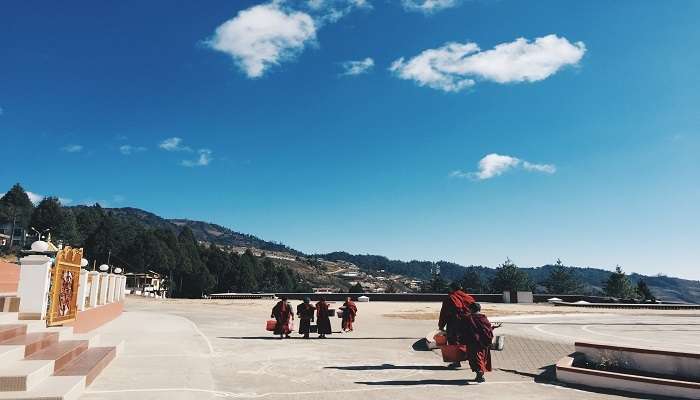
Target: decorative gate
(63,295)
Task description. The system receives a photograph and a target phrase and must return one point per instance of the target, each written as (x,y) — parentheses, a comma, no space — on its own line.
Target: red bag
(271,324)
(440,340)
(454,353)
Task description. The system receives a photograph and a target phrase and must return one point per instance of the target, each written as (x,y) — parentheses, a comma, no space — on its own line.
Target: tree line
(191,268)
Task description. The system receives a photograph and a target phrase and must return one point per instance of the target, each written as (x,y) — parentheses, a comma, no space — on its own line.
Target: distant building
(19,238)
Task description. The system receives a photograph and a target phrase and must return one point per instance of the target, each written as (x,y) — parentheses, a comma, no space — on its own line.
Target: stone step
(61,353)
(52,388)
(8,332)
(24,375)
(9,304)
(89,364)
(9,317)
(9,354)
(32,342)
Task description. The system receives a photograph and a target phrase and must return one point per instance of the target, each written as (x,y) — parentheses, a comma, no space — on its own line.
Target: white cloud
(2,111)
(329,11)
(263,36)
(72,148)
(34,197)
(457,66)
(205,158)
(493,165)
(429,6)
(357,67)
(128,149)
(173,144)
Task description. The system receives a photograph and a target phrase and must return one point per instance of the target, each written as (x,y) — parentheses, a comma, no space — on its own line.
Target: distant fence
(633,306)
(414,297)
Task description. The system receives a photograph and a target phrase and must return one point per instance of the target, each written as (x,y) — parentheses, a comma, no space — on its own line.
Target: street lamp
(117,270)
(104,267)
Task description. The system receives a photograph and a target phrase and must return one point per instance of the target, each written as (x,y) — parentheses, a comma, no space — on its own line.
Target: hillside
(665,288)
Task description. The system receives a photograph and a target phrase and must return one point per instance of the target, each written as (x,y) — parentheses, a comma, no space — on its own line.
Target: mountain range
(663,287)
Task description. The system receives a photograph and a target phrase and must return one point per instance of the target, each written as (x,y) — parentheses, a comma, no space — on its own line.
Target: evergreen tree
(472,282)
(619,285)
(562,280)
(247,281)
(16,208)
(356,288)
(644,292)
(509,277)
(50,215)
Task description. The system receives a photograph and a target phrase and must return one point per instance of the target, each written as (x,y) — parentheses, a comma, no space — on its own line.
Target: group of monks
(464,323)
(283,314)
(460,318)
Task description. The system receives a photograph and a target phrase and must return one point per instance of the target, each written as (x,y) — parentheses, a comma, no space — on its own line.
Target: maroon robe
(282,313)
(455,309)
(349,314)
(479,335)
(322,318)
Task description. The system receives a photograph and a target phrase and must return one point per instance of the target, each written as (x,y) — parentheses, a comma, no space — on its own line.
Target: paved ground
(213,349)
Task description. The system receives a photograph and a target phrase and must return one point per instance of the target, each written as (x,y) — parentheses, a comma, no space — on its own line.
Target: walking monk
(349,313)
(479,335)
(324,321)
(454,311)
(282,312)
(305,311)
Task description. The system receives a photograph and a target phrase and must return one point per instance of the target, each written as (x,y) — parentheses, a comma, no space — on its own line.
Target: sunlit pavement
(200,350)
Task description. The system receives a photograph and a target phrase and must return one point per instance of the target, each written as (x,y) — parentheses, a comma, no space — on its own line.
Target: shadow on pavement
(390,367)
(312,338)
(548,374)
(436,382)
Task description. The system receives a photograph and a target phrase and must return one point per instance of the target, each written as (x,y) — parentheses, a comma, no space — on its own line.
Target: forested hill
(663,287)
(203,231)
(667,288)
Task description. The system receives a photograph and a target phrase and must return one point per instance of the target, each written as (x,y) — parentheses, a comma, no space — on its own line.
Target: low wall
(413,297)
(9,277)
(93,318)
(662,362)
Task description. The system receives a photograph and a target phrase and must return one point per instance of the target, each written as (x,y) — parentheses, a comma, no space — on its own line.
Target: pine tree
(16,208)
(644,292)
(509,277)
(562,280)
(472,283)
(619,285)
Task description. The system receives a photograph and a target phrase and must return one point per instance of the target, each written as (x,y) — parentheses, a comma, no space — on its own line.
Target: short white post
(83,289)
(104,284)
(33,290)
(94,287)
(123,291)
(110,289)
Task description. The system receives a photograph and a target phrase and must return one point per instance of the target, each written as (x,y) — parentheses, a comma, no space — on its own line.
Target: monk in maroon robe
(454,311)
(282,313)
(305,312)
(323,319)
(479,336)
(349,313)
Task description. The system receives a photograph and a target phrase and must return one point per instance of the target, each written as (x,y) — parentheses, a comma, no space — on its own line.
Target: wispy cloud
(429,6)
(457,66)
(204,159)
(72,148)
(173,144)
(493,165)
(129,150)
(357,67)
(36,198)
(2,111)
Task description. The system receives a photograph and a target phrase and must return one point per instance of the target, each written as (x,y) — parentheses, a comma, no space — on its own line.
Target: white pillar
(110,288)
(123,291)
(83,289)
(104,284)
(94,287)
(33,290)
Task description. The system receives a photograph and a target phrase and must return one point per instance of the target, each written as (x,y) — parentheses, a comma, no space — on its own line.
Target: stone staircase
(37,362)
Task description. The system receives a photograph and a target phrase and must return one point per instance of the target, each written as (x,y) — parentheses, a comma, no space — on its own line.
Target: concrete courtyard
(206,349)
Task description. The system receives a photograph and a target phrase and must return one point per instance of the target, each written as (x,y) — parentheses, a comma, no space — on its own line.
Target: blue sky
(468,131)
